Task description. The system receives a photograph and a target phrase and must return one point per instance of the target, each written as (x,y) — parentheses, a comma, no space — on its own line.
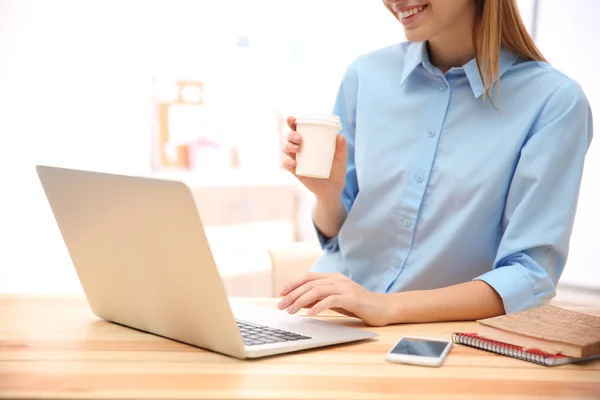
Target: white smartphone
(420,351)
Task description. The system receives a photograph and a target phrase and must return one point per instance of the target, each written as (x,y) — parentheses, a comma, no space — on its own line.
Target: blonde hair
(498,25)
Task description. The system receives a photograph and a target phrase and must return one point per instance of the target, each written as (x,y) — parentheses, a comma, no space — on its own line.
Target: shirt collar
(416,55)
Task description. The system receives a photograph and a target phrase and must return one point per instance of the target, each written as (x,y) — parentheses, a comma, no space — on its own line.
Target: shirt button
(443,87)
(419,178)
(431,132)
(407,223)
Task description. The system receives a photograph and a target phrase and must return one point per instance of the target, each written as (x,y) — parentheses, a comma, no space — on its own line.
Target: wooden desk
(53,347)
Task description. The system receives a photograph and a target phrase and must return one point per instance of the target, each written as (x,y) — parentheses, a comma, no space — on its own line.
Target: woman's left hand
(321,291)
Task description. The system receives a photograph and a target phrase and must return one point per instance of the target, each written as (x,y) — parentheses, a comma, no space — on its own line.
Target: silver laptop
(143,261)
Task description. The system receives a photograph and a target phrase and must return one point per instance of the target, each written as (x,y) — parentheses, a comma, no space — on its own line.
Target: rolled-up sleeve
(541,203)
(345,108)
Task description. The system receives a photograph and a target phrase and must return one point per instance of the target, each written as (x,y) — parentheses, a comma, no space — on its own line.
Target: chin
(415,36)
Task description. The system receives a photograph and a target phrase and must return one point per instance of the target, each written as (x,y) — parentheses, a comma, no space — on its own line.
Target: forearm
(329,215)
(463,302)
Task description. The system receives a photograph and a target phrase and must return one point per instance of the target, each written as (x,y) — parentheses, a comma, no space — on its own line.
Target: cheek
(442,16)
(449,11)
(440,13)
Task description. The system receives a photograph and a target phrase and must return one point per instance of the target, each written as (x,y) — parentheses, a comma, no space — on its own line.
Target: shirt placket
(419,172)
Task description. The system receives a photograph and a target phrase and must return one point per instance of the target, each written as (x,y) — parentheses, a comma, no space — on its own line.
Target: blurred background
(199,91)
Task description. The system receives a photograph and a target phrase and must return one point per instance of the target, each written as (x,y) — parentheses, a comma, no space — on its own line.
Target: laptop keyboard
(257,334)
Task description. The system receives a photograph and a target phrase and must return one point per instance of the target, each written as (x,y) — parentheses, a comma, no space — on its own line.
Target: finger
(307,277)
(291,122)
(314,295)
(341,148)
(295,294)
(290,149)
(343,312)
(310,305)
(289,165)
(340,160)
(294,137)
(301,286)
(348,303)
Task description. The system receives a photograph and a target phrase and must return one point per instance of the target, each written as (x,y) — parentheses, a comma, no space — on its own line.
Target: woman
(456,175)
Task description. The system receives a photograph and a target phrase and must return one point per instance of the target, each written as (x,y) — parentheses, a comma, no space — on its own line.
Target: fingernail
(296,137)
(292,309)
(282,291)
(282,304)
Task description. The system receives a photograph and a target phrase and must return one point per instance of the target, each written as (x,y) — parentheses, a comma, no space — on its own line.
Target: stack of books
(547,335)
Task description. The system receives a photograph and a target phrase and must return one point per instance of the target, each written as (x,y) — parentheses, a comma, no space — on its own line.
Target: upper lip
(406,8)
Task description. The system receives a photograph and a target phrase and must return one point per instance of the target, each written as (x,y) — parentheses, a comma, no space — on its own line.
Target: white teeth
(412,11)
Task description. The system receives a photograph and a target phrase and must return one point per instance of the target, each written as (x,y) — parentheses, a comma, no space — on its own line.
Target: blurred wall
(75,91)
(568,35)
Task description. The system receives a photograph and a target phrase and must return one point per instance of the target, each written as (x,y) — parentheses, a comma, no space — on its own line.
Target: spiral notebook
(518,352)
(550,329)
(546,335)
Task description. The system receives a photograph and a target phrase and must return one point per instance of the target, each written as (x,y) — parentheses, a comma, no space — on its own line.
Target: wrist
(330,200)
(396,308)
(328,215)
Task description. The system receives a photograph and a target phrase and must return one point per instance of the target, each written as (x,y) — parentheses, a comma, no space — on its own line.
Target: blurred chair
(292,260)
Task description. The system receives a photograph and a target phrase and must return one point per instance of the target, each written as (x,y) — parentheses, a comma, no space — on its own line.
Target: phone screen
(420,347)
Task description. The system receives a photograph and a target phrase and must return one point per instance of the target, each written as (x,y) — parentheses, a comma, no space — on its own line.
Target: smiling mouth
(413,11)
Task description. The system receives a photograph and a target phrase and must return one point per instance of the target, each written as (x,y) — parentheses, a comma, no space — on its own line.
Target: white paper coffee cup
(319,133)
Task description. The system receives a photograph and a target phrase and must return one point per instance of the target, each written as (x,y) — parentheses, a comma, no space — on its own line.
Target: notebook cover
(553,324)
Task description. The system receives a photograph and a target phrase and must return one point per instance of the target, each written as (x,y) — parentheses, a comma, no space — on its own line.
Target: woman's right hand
(322,188)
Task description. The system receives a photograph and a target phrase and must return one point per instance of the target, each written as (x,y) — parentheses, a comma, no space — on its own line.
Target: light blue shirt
(443,188)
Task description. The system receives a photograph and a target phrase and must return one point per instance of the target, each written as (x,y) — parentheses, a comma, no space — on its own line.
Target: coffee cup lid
(328,119)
